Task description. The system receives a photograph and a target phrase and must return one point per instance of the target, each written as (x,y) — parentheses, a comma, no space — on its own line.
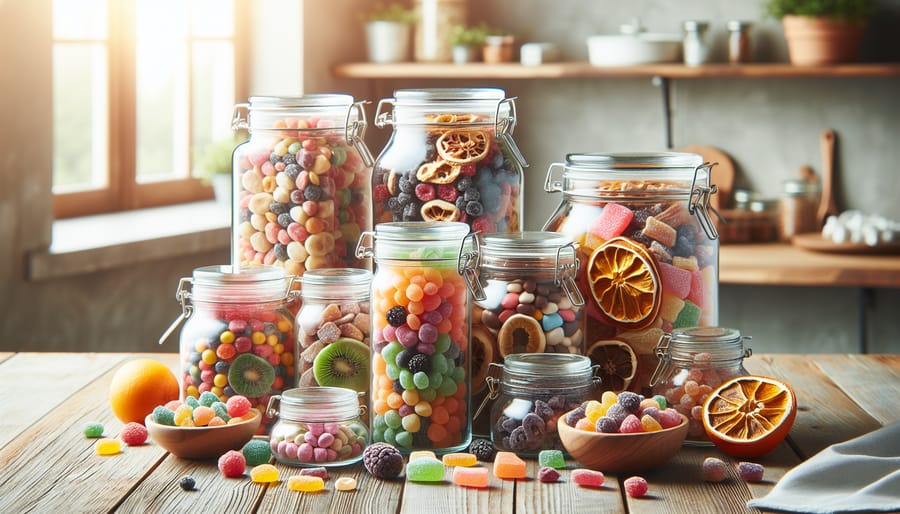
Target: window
(140,88)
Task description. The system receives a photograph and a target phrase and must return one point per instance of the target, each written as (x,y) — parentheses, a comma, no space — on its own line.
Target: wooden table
(46,464)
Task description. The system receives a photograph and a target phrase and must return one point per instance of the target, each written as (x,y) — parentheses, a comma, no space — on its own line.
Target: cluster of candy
(715,470)
(208,410)
(303,200)
(625,413)
(327,444)
(526,426)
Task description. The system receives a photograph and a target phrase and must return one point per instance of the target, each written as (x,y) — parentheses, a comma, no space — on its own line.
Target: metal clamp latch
(182,294)
(468,263)
(698,203)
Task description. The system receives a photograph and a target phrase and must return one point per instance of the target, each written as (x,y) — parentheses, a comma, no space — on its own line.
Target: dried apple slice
(462,146)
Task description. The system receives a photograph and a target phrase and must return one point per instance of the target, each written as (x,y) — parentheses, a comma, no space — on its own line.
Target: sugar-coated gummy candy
(635,486)
(470,477)
(421,454)
(612,221)
(232,464)
(187,483)
(108,446)
(547,474)
(649,423)
(207,398)
(133,434)
(631,425)
(588,477)
(669,418)
(751,471)
(551,458)
(345,484)
(305,483)
(425,469)
(237,406)
(319,471)
(256,452)
(93,430)
(264,473)
(459,459)
(509,465)
(164,416)
(714,470)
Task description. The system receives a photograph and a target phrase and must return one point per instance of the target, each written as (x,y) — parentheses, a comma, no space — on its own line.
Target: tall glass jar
(301,183)
(333,328)
(451,157)
(530,304)
(692,363)
(420,331)
(238,336)
(648,250)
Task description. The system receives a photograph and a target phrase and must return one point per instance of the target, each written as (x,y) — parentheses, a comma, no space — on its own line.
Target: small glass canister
(797,208)
(696,46)
(535,390)
(317,426)
(692,363)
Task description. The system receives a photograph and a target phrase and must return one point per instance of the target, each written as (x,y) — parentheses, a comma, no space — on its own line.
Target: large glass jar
(238,336)
(649,252)
(692,363)
(420,332)
(530,303)
(451,157)
(301,183)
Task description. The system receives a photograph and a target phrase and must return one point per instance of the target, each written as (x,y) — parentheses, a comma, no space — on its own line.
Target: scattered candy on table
(483,449)
(425,469)
(133,434)
(636,487)
(93,430)
(552,458)
(264,473)
(107,446)
(547,474)
(459,459)
(256,452)
(587,477)
(714,470)
(306,483)
(232,464)
(470,477)
(509,465)
(345,484)
(320,471)
(750,471)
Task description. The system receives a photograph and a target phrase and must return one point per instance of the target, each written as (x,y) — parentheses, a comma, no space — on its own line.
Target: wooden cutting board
(722,174)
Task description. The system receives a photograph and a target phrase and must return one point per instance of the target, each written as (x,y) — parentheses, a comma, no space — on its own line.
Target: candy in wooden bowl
(208,442)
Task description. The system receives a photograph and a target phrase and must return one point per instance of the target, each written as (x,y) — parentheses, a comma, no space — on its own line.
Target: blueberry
(472,194)
(464,184)
(393,203)
(397,386)
(461,203)
(403,199)
(404,357)
(221,367)
(474,209)
(187,483)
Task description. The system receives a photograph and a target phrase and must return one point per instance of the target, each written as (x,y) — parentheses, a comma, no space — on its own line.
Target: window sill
(106,241)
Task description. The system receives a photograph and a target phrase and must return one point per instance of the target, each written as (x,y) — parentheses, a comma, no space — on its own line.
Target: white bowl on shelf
(630,49)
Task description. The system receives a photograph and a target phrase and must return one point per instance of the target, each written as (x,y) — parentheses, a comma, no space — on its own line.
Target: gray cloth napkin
(858,475)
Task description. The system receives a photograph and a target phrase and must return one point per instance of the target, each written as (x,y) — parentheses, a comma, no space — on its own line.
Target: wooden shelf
(784,264)
(585,70)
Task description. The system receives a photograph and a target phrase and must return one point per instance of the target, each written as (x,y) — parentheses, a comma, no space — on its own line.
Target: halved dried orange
(482,355)
(624,281)
(463,146)
(617,363)
(748,416)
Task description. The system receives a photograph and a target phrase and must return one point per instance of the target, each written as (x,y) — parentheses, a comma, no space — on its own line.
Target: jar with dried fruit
(647,248)
(451,157)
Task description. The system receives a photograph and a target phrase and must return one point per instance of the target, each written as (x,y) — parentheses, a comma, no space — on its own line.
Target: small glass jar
(420,333)
(451,157)
(798,208)
(696,48)
(738,41)
(535,390)
(692,363)
(434,25)
(317,426)
(302,183)
(238,335)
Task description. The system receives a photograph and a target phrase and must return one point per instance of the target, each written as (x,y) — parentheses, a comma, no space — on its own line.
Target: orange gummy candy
(508,465)
(470,477)
(459,459)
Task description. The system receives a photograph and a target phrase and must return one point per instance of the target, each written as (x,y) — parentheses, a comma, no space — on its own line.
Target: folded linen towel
(859,475)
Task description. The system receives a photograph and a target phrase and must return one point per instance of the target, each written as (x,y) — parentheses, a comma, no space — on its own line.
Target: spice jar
(317,426)
(647,248)
(692,363)
(333,327)
(301,182)
(535,390)
(420,332)
(447,159)
(238,336)
(738,41)
(696,48)
(797,209)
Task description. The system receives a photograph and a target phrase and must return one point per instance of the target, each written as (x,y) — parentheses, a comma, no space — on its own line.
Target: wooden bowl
(622,453)
(203,442)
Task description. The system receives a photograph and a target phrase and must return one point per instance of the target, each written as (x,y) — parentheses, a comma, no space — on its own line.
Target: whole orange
(138,386)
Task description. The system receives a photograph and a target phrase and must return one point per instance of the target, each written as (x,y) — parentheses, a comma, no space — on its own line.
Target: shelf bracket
(663,83)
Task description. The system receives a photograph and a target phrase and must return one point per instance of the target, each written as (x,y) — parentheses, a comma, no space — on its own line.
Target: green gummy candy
(404,439)
(661,401)
(551,458)
(256,452)
(93,430)
(688,317)
(208,398)
(425,469)
(163,416)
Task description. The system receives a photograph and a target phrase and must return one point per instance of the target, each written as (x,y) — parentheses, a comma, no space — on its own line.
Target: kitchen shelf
(585,70)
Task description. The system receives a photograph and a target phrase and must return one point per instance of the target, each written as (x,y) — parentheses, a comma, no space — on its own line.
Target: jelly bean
(107,446)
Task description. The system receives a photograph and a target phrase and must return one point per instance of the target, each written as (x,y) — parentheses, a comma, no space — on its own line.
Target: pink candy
(612,221)
(631,425)
(675,280)
(470,476)
(587,477)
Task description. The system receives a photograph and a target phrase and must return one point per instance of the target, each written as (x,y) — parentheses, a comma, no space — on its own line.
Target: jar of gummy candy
(692,363)
(302,183)
(420,332)
(648,252)
(333,327)
(238,335)
(317,426)
(530,303)
(451,157)
(535,390)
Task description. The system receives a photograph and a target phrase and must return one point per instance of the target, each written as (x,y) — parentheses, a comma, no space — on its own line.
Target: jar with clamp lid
(692,363)
(317,426)
(534,391)
(238,335)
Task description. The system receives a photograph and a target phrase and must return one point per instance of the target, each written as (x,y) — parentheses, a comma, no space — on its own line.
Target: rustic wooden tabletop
(47,465)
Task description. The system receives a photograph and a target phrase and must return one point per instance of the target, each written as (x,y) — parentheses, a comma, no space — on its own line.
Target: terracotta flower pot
(815,41)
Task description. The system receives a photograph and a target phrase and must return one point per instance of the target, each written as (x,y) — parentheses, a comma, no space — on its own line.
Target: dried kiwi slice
(343,363)
(251,376)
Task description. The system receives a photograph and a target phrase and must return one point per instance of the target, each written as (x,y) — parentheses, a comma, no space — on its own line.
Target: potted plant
(388,31)
(467,43)
(821,31)
(215,167)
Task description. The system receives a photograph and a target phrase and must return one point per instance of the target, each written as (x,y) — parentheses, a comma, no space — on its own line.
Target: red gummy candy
(636,486)
(676,281)
(612,221)
(669,418)
(696,293)
(588,477)
(232,464)
(631,425)
(714,470)
(237,406)
(134,434)
(548,474)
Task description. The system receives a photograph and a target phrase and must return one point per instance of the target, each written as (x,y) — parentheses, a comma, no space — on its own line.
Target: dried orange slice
(748,416)
(624,281)
(463,146)
(617,362)
(482,356)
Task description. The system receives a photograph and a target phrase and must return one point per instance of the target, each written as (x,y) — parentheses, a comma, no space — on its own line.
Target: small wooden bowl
(203,442)
(622,453)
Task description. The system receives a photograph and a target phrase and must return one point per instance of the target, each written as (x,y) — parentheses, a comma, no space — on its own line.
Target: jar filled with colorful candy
(451,157)
(648,251)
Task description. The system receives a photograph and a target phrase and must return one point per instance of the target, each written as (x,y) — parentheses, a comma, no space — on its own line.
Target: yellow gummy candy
(650,424)
(421,454)
(593,410)
(264,473)
(108,446)
(344,484)
(459,459)
(306,483)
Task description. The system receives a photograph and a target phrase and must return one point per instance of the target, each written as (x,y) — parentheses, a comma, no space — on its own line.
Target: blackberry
(411,212)
(393,204)
(383,461)
(404,199)
(396,316)
(404,357)
(187,483)
(483,450)
(313,192)
(407,185)
(606,425)
(419,362)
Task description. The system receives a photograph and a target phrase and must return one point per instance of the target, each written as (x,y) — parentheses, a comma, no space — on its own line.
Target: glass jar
(434,25)
(238,335)
(317,426)
(420,332)
(696,48)
(798,207)
(738,41)
(302,183)
(451,157)
(333,328)
(535,390)
(692,363)
(648,250)
(530,303)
